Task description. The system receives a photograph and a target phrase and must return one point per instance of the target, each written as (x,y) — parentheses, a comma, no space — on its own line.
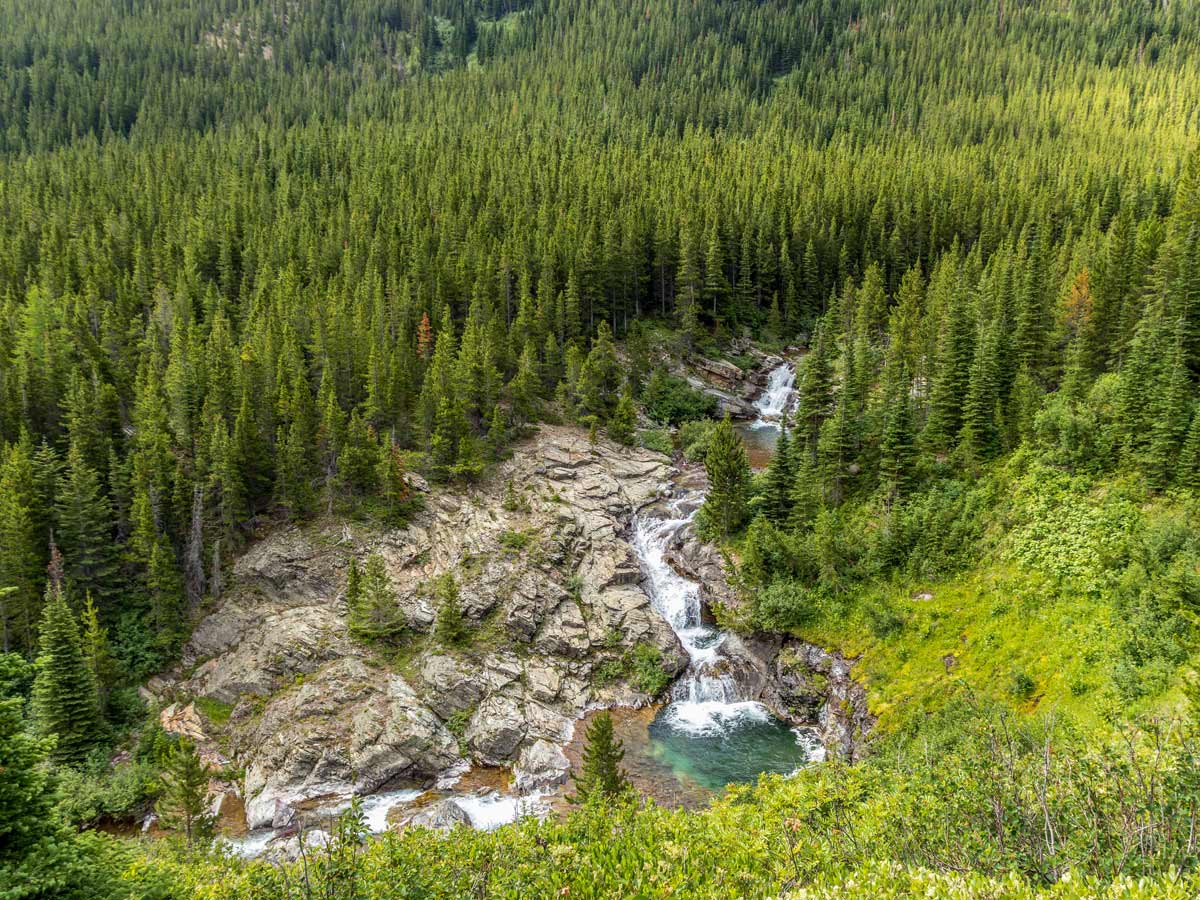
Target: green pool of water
(737,753)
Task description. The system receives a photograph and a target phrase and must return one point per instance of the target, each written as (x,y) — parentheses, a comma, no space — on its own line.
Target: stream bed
(708,735)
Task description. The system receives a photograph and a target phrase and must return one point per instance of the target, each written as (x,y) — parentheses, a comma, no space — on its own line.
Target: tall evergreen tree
(374,611)
(183,803)
(66,702)
(601,775)
(780,479)
(726,506)
(86,531)
(897,453)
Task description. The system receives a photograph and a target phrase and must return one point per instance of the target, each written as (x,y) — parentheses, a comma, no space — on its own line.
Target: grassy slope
(1042,601)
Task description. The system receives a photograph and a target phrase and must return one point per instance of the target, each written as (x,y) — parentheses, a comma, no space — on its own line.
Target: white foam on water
(773,403)
(808,739)
(377,806)
(706,718)
(488,812)
(250,845)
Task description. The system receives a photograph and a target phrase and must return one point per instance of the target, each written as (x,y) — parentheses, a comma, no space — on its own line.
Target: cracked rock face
(550,590)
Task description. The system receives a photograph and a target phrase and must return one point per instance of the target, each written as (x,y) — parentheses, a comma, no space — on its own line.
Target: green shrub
(693,439)
(1021,686)
(672,401)
(515,541)
(97,794)
(648,674)
(656,439)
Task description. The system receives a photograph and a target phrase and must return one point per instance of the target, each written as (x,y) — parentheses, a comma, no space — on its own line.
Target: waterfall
(775,398)
(705,700)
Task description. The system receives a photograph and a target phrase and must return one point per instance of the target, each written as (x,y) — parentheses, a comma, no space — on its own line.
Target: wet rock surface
(550,589)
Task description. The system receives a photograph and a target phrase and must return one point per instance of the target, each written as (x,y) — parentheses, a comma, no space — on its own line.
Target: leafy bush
(648,674)
(656,439)
(96,794)
(515,541)
(672,401)
(1021,686)
(993,810)
(693,439)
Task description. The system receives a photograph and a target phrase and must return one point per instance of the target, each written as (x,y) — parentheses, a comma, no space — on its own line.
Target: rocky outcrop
(443,815)
(733,388)
(349,727)
(550,590)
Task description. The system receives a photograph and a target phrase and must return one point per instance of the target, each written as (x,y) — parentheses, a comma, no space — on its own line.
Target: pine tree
(1187,474)
(980,430)
(294,478)
(623,422)
(835,453)
(449,627)
(952,370)
(395,492)
(776,501)
(815,394)
(449,429)
(374,612)
(86,531)
(21,562)
(66,702)
(726,505)
(897,454)
(97,652)
(27,814)
(600,376)
(1172,415)
(601,776)
(525,389)
(183,803)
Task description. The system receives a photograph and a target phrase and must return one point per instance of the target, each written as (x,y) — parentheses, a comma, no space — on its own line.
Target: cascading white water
(775,398)
(705,700)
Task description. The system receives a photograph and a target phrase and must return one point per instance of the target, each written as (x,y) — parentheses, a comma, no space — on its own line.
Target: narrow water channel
(709,734)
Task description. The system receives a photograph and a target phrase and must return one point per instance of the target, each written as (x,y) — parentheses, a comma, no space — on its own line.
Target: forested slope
(260,260)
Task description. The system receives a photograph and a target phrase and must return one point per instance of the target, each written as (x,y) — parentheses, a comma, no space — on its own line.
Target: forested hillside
(261,261)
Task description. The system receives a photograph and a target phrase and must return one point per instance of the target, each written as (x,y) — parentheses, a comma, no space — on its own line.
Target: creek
(709,734)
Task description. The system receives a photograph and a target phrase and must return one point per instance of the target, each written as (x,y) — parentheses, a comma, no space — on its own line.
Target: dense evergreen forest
(260,261)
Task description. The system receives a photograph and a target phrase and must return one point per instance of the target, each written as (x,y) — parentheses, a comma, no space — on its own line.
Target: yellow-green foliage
(890,881)
(1073,597)
(991,809)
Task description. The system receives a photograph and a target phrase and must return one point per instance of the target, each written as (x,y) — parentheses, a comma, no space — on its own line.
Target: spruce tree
(776,500)
(601,776)
(1172,404)
(374,612)
(600,377)
(21,561)
(86,531)
(623,422)
(27,814)
(66,702)
(980,435)
(1187,474)
(97,651)
(836,453)
(183,803)
(726,505)
(395,492)
(897,454)
(815,393)
(449,626)
(952,370)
